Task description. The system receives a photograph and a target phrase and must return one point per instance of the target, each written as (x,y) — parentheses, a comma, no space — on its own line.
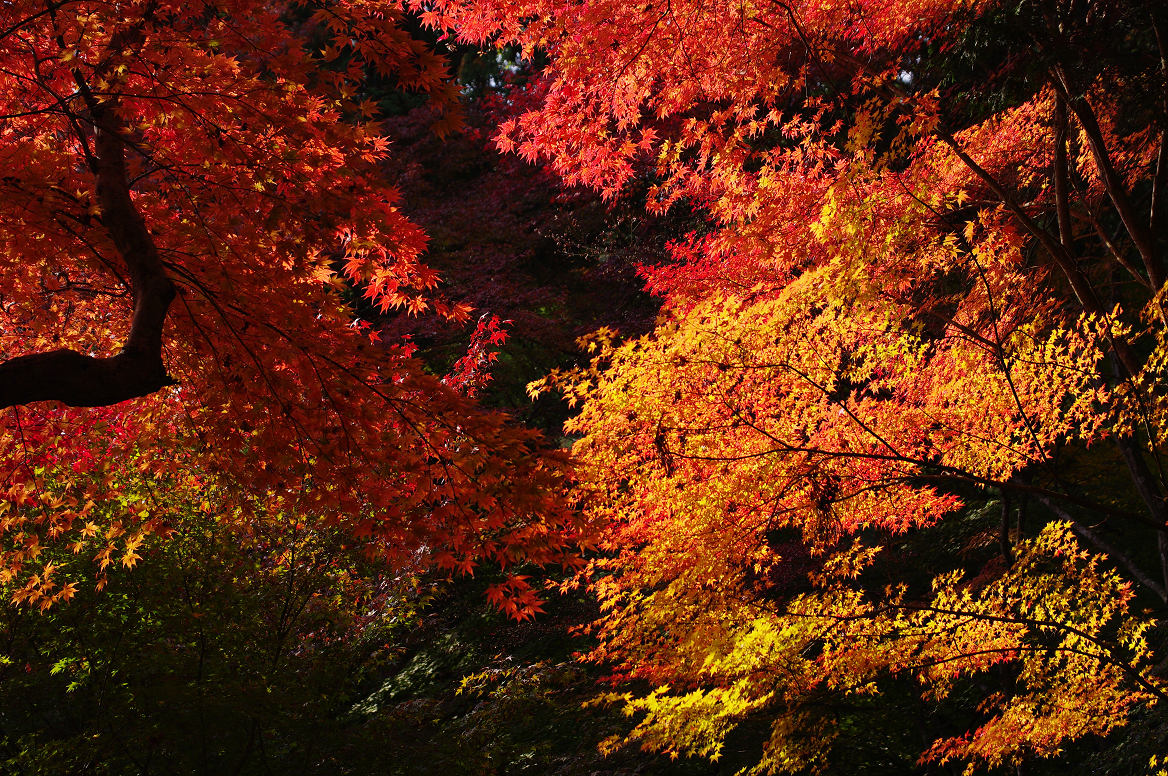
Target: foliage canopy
(191,189)
(930,291)
(898,431)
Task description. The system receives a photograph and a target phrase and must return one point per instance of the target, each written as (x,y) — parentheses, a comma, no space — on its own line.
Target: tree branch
(1107,549)
(1061,184)
(90,381)
(1160,179)
(1140,235)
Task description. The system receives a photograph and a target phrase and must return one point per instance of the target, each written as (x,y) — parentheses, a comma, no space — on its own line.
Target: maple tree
(300,446)
(929,295)
(190,192)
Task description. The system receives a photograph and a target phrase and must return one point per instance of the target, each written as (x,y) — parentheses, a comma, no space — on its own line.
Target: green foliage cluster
(219,654)
(227,653)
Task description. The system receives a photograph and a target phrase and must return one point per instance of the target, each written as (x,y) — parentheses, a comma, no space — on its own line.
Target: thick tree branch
(1061,177)
(1137,229)
(1160,179)
(1159,184)
(89,381)
(1080,285)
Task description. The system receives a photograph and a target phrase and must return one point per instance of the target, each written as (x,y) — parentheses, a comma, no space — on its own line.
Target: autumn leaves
(890,330)
(923,302)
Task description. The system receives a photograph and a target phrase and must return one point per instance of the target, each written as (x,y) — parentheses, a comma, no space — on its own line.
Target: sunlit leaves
(919,289)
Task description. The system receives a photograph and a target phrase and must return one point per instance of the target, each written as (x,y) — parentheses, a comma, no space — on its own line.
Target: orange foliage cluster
(932,283)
